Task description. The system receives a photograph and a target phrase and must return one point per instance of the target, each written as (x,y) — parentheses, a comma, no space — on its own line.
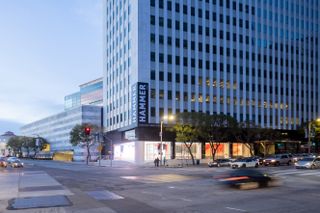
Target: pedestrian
(157,161)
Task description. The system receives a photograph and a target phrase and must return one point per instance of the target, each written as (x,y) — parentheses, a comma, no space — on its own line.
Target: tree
(187,129)
(27,144)
(269,135)
(15,144)
(248,133)
(79,137)
(216,129)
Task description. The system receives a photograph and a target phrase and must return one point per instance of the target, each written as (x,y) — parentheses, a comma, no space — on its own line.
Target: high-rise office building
(255,60)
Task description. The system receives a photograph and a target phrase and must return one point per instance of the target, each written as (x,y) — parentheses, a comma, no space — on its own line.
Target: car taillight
(237,178)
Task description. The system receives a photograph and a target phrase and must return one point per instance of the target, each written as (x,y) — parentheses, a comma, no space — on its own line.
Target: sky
(47,49)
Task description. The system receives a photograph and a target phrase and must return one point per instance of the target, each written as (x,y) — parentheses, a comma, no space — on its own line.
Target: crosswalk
(296,172)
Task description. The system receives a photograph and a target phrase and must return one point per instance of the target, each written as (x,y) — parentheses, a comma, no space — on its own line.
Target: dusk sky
(47,49)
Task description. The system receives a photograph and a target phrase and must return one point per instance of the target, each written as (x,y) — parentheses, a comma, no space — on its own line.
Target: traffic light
(87,130)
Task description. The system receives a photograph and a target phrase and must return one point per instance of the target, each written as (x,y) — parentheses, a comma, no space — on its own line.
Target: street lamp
(164,118)
(309,133)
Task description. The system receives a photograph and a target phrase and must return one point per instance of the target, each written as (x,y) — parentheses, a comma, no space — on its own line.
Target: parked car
(219,163)
(16,164)
(277,160)
(247,179)
(299,156)
(308,163)
(244,162)
(3,162)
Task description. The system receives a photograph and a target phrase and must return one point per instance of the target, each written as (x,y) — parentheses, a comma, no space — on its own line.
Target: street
(71,187)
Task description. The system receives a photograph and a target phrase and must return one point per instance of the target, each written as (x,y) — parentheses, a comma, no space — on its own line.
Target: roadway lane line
(310,173)
(235,209)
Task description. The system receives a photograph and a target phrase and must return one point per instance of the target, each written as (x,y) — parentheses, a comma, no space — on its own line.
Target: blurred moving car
(16,164)
(247,179)
(244,162)
(219,163)
(3,162)
(277,160)
(308,163)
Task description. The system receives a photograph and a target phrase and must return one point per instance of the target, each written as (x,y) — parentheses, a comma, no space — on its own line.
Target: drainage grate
(38,202)
(104,195)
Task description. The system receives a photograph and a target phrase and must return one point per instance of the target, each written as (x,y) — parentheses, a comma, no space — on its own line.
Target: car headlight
(273,160)
(308,164)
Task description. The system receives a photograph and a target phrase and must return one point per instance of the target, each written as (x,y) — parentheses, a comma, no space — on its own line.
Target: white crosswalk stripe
(297,172)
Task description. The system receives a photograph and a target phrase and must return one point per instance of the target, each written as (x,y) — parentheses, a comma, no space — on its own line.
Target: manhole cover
(104,195)
(38,202)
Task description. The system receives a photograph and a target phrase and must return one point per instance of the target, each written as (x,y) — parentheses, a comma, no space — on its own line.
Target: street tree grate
(38,202)
(104,195)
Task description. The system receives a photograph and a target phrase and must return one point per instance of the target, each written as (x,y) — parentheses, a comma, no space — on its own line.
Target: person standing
(155,162)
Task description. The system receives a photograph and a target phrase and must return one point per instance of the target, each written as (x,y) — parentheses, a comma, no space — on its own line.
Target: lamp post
(309,133)
(164,118)
(111,148)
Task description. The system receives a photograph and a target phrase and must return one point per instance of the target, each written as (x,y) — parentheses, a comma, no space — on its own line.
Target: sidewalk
(37,192)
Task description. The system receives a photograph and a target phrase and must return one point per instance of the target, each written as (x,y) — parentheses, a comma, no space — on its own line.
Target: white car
(308,163)
(244,163)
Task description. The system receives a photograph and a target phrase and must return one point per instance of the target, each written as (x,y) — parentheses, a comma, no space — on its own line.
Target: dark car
(247,179)
(219,163)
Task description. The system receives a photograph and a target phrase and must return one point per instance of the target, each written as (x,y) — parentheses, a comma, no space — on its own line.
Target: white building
(56,128)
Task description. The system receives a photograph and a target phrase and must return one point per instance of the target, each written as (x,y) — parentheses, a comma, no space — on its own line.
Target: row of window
(277,76)
(242,116)
(185,26)
(185,94)
(206,99)
(199,64)
(184,8)
(200,46)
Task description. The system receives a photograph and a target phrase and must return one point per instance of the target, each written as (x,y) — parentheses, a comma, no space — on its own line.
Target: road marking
(235,209)
(287,172)
(187,200)
(309,173)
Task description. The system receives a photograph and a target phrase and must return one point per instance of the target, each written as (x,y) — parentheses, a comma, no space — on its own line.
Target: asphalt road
(148,189)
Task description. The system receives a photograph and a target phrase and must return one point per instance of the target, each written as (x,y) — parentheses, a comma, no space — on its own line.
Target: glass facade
(91,93)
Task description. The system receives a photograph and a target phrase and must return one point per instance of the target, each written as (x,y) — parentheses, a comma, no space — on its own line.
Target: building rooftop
(8,133)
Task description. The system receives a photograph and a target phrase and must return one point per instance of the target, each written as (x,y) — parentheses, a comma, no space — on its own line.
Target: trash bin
(198,162)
